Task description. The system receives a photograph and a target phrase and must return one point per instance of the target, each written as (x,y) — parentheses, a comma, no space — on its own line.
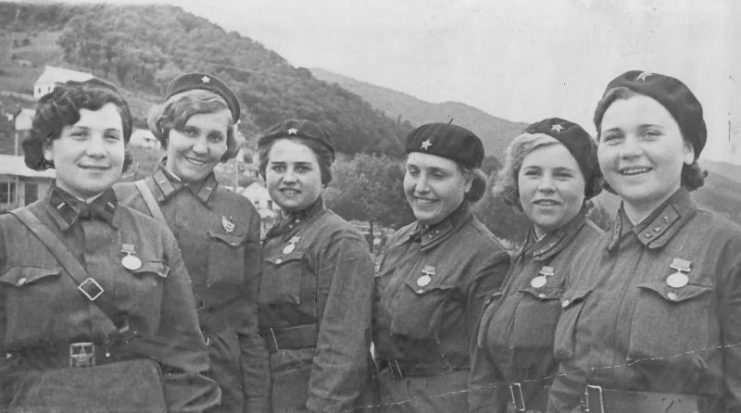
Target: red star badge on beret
(205,79)
(292,132)
(426,144)
(643,76)
(557,128)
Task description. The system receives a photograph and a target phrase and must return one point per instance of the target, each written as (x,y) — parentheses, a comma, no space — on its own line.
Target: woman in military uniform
(651,320)
(317,280)
(96,312)
(550,173)
(434,276)
(218,231)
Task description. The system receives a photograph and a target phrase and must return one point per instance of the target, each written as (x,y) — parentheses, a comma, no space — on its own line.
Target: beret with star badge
(297,128)
(208,82)
(448,141)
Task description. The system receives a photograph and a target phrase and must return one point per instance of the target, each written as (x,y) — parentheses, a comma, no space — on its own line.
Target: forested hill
(142,48)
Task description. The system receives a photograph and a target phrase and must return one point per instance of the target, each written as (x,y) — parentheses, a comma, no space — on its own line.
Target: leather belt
(528,396)
(401,369)
(289,338)
(77,354)
(600,400)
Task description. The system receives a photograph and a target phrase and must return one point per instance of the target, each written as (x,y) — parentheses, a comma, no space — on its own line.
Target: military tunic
(315,308)
(42,311)
(630,323)
(431,289)
(514,355)
(218,232)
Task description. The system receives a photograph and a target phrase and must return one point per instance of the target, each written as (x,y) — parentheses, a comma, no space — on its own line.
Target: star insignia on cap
(205,79)
(643,76)
(292,132)
(557,128)
(426,144)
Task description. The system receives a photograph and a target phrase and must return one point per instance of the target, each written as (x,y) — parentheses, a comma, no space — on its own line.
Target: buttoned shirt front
(515,337)
(630,322)
(42,308)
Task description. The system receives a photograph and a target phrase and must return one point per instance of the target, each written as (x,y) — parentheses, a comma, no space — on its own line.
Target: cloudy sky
(522,60)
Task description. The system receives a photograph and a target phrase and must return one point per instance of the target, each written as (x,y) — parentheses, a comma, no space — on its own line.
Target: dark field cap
(192,81)
(448,141)
(674,95)
(579,143)
(297,128)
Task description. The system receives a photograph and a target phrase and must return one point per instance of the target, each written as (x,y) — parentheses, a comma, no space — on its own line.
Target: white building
(53,76)
(19,184)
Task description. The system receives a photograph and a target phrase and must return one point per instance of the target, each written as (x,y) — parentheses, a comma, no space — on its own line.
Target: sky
(522,60)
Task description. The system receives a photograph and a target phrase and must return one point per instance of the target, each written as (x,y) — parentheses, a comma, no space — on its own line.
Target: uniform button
(565,303)
(278,261)
(430,236)
(541,295)
(437,231)
(672,296)
(420,291)
(21,281)
(8,355)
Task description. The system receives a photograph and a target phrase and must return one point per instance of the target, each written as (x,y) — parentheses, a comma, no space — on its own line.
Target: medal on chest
(291,244)
(130,261)
(427,272)
(680,278)
(228,224)
(542,279)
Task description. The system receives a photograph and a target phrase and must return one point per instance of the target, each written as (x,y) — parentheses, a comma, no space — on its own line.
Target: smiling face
(641,152)
(551,187)
(434,187)
(194,151)
(89,155)
(292,175)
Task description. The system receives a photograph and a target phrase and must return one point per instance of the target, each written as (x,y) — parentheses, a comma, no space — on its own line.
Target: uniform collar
(66,209)
(660,226)
(167,183)
(291,221)
(553,242)
(429,235)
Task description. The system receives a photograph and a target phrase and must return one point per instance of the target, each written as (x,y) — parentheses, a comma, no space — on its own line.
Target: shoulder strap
(148,197)
(86,284)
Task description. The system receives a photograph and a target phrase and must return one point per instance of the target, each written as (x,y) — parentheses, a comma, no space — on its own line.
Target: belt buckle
(82,354)
(515,392)
(92,296)
(598,391)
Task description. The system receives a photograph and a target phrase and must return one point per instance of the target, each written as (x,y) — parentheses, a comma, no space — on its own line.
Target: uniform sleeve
(488,278)
(254,356)
(487,392)
(179,346)
(730,317)
(340,365)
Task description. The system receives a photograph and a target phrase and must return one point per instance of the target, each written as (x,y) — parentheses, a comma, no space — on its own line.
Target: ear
(689,153)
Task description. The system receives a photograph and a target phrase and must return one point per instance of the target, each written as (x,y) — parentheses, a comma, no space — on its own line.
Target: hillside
(494,132)
(143,48)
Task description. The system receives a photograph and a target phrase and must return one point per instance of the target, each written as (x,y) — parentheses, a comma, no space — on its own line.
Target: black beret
(297,128)
(208,82)
(674,95)
(579,143)
(449,141)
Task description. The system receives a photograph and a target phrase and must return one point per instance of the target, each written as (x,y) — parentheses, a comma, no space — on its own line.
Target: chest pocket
(29,294)
(564,340)
(417,312)
(535,317)
(281,279)
(671,322)
(225,258)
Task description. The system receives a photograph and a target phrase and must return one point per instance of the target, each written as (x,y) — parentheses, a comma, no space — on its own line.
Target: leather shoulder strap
(148,197)
(86,284)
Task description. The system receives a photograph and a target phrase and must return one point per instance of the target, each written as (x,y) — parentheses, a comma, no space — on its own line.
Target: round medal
(677,280)
(538,281)
(289,248)
(423,280)
(131,262)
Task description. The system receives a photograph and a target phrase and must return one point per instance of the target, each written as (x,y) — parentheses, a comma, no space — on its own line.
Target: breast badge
(427,272)
(130,261)
(541,280)
(680,278)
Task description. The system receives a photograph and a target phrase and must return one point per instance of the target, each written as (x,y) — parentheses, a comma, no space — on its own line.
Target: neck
(638,211)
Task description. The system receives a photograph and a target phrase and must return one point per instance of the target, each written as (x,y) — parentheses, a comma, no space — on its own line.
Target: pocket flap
(281,259)
(543,293)
(574,296)
(232,239)
(20,276)
(676,295)
(156,267)
(436,283)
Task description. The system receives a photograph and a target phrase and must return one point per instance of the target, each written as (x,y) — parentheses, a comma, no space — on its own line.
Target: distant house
(20,185)
(144,138)
(53,76)
(23,120)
